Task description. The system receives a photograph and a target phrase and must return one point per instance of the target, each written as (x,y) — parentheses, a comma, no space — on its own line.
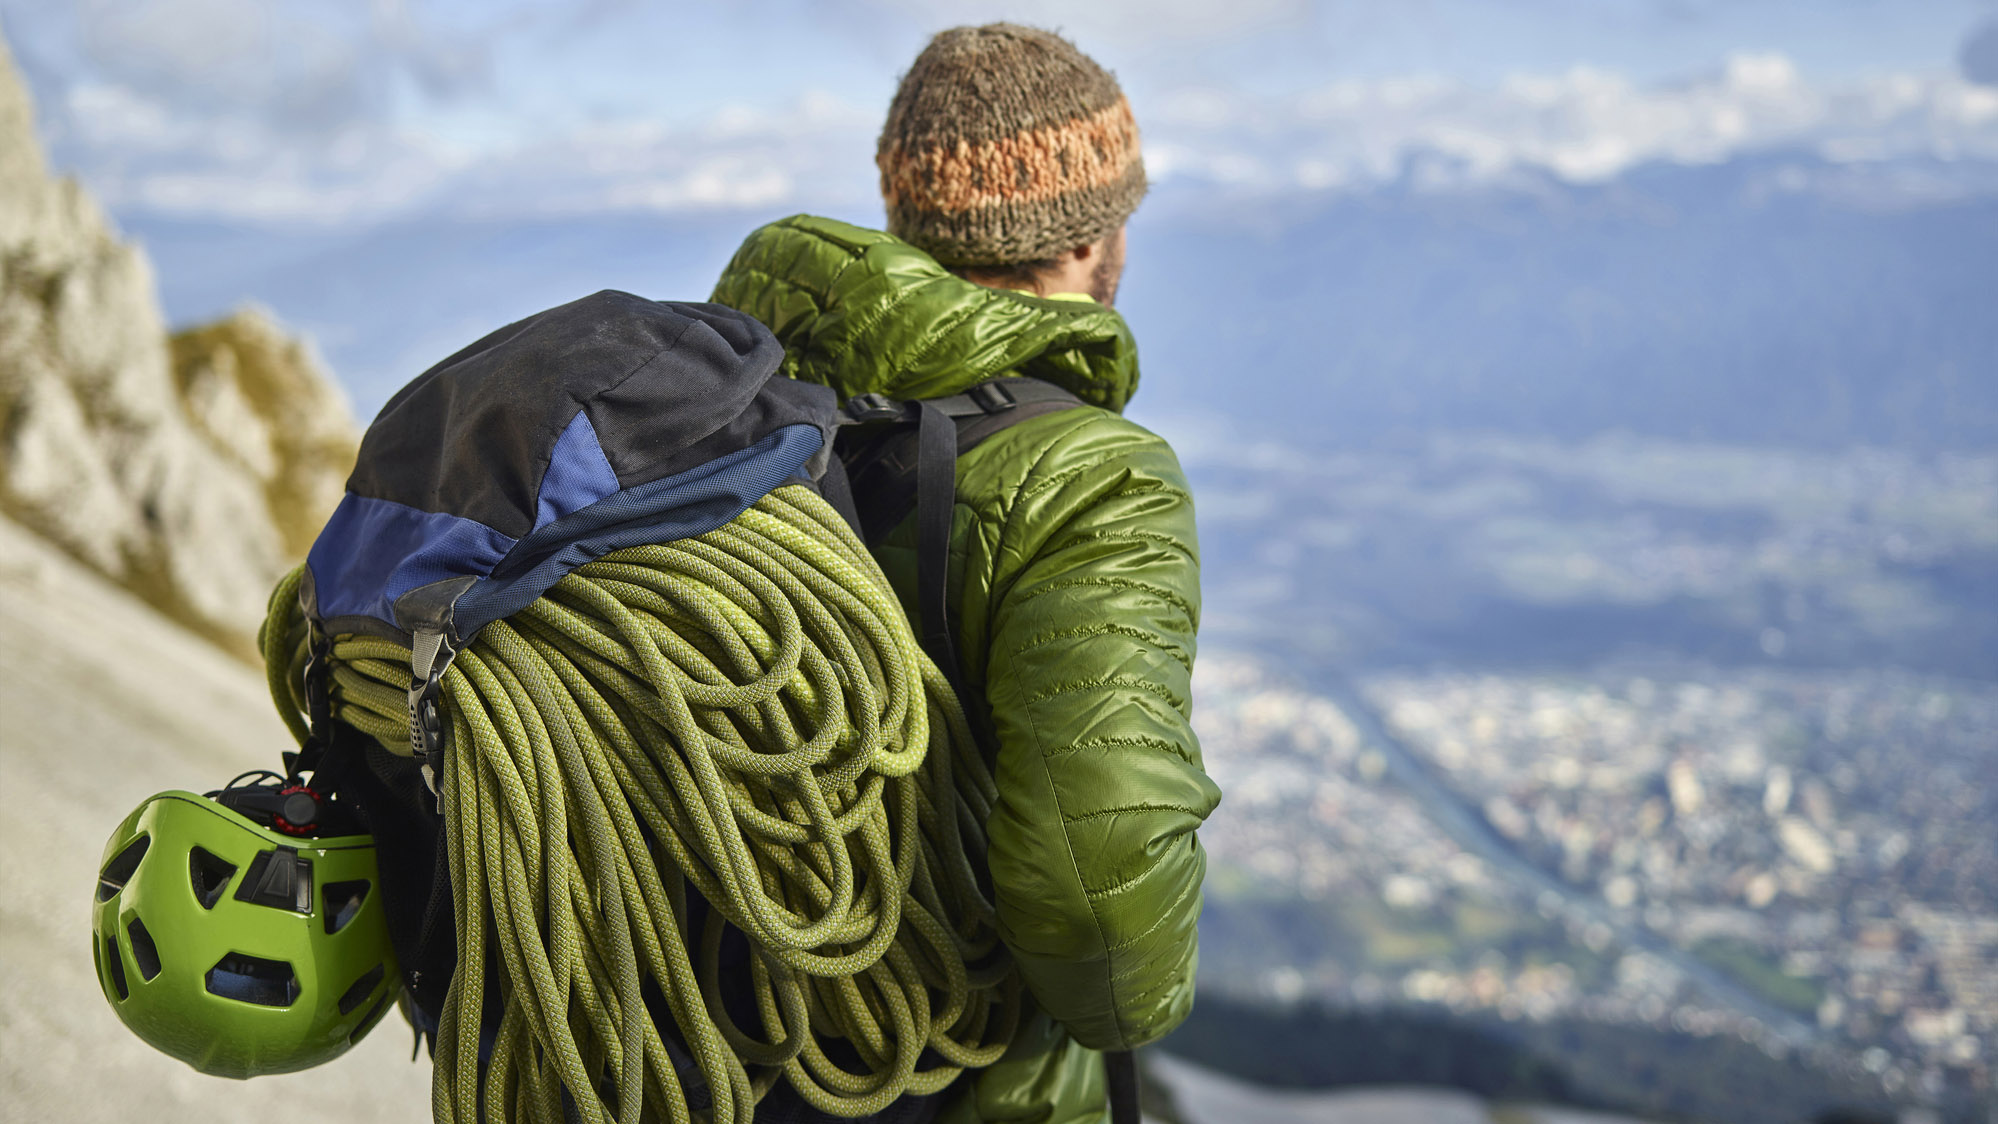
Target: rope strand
(735,713)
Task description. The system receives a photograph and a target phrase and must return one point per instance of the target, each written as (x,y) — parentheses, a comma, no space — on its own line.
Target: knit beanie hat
(1006,145)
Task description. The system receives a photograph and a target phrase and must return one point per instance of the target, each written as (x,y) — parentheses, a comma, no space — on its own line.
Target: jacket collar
(862,311)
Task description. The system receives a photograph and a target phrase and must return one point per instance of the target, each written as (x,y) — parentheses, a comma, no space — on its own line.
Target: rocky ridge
(142,477)
(191,469)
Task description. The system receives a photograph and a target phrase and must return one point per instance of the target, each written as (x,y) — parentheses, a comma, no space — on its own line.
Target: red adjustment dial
(298,811)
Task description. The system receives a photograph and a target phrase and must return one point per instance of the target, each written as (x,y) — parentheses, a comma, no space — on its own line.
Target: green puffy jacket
(1075,584)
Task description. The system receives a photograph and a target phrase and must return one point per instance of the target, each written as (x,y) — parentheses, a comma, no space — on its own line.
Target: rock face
(261,399)
(192,471)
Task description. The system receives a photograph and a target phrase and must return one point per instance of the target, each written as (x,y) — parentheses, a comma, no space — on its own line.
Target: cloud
(817,148)
(154,158)
(289,111)
(143,152)
(1581,126)
(1115,21)
(280,111)
(284,64)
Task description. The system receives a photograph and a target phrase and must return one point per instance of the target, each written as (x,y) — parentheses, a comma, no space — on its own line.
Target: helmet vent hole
(119,870)
(361,989)
(367,1021)
(145,953)
(343,901)
(210,876)
(114,966)
(253,979)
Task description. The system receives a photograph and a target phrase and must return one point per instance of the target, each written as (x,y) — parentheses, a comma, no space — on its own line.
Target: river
(1467,825)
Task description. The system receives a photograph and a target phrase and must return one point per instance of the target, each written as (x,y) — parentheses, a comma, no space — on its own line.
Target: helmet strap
(318,705)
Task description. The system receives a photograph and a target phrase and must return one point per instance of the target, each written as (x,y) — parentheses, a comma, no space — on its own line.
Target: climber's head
(1012,158)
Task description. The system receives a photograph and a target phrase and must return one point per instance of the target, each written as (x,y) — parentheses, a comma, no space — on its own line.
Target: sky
(297,114)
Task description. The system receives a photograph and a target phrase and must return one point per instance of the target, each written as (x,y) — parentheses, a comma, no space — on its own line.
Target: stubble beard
(1109,271)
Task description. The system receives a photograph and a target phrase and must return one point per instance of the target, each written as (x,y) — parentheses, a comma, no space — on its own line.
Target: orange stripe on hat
(1029,167)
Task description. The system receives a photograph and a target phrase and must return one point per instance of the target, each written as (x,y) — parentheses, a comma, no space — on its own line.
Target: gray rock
(190,470)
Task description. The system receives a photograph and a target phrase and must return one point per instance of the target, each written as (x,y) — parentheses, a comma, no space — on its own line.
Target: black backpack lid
(604,423)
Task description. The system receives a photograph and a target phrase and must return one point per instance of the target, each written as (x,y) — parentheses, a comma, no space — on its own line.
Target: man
(1009,164)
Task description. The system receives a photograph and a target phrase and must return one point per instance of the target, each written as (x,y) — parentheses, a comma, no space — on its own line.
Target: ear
(1088,251)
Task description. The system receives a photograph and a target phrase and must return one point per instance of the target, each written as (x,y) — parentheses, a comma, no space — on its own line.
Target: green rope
(745,713)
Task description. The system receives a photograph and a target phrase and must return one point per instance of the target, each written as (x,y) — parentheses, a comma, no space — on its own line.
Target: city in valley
(1791,846)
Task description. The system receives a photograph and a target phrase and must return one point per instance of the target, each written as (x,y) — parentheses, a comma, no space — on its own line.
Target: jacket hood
(863,312)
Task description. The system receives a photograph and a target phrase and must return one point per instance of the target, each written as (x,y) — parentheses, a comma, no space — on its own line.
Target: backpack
(606,425)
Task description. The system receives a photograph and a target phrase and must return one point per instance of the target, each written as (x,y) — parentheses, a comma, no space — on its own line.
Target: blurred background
(1592,407)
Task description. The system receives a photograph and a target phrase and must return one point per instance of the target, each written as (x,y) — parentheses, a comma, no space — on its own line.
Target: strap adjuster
(873,407)
(993,397)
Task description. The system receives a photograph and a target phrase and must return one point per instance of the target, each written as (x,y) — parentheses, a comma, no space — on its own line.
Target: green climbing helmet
(237,948)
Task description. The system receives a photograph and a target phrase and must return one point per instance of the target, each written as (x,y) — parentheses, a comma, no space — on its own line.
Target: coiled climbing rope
(745,714)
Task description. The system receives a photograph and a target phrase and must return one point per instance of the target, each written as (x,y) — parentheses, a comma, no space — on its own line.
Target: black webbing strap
(899,455)
(945,429)
(1121,1067)
(882,453)
(940,436)
(837,490)
(316,682)
(996,396)
(936,501)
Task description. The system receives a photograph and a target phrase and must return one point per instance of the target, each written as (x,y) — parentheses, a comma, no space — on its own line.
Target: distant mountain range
(1746,303)
(1767,300)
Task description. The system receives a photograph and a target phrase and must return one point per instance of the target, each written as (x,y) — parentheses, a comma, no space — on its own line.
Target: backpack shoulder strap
(893,465)
(881,448)
(999,404)
(936,500)
(883,470)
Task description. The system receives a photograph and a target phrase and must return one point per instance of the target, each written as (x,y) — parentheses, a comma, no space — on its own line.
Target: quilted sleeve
(1089,653)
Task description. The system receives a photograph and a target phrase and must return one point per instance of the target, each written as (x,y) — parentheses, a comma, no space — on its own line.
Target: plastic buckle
(430,656)
(318,667)
(872,407)
(992,397)
(426,724)
(426,732)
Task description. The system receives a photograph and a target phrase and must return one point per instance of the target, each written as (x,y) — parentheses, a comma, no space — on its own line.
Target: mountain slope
(106,702)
